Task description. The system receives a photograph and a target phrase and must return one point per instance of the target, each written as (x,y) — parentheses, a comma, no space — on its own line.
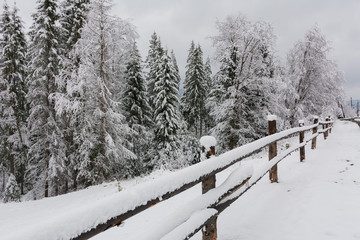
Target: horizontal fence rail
(204,210)
(354,119)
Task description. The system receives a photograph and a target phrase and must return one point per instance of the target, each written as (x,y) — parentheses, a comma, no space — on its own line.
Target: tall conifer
(137,112)
(195,91)
(47,148)
(14,88)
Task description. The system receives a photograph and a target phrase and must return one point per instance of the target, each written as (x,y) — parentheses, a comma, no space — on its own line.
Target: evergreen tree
(166,100)
(73,17)
(208,120)
(102,136)
(193,99)
(137,112)
(6,163)
(12,190)
(153,60)
(14,88)
(47,150)
(177,72)
(166,112)
(208,73)
(5,38)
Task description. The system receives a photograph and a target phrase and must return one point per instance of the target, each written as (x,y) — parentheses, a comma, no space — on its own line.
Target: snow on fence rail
(205,209)
(354,119)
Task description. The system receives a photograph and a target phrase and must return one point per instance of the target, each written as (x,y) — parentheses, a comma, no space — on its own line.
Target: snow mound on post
(271,118)
(207,142)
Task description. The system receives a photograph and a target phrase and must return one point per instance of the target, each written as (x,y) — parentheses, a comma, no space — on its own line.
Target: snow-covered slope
(314,199)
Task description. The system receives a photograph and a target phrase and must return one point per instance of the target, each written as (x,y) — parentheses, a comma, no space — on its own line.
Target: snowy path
(317,199)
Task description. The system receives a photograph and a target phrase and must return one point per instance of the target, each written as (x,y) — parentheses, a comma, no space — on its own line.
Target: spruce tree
(5,38)
(6,161)
(14,88)
(153,60)
(195,91)
(73,17)
(137,112)
(208,120)
(177,72)
(47,150)
(12,190)
(166,118)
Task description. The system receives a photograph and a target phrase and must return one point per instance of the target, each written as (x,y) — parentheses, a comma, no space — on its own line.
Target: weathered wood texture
(301,140)
(209,231)
(273,173)
(313,142)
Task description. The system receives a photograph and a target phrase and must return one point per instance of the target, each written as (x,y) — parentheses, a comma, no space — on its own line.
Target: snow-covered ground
(317,199)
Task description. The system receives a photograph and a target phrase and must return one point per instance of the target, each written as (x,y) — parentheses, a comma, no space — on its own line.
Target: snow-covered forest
(80,106)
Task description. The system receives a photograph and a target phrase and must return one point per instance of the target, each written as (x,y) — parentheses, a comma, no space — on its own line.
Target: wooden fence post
(272,148)
(330,124)
(209,231)
(326,133)
(313,142)
(301,138)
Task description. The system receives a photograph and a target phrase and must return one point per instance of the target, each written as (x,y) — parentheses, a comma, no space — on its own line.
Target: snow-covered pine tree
(177,72)
(193,99)
(47,150)
(208,120)
(73,17)
(137,112)
(240,45)
(208,74)
(12,97)
(12,190)
(6,163)
(166,118)
(103,133)
(152,60)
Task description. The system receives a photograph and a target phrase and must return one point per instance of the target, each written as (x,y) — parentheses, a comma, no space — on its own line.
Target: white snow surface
(195,221)
(316,199)
(207,142)
(271,118)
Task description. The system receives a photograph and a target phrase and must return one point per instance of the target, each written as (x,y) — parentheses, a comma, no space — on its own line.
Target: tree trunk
(46,188)
(47,155)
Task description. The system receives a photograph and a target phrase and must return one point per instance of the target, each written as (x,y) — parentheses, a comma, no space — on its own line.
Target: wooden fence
(215,201)
(354,119)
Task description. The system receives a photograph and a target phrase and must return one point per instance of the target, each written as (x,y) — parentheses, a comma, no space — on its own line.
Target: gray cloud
(179,22)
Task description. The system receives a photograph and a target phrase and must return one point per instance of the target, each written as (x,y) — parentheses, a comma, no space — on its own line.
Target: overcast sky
(178,22)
